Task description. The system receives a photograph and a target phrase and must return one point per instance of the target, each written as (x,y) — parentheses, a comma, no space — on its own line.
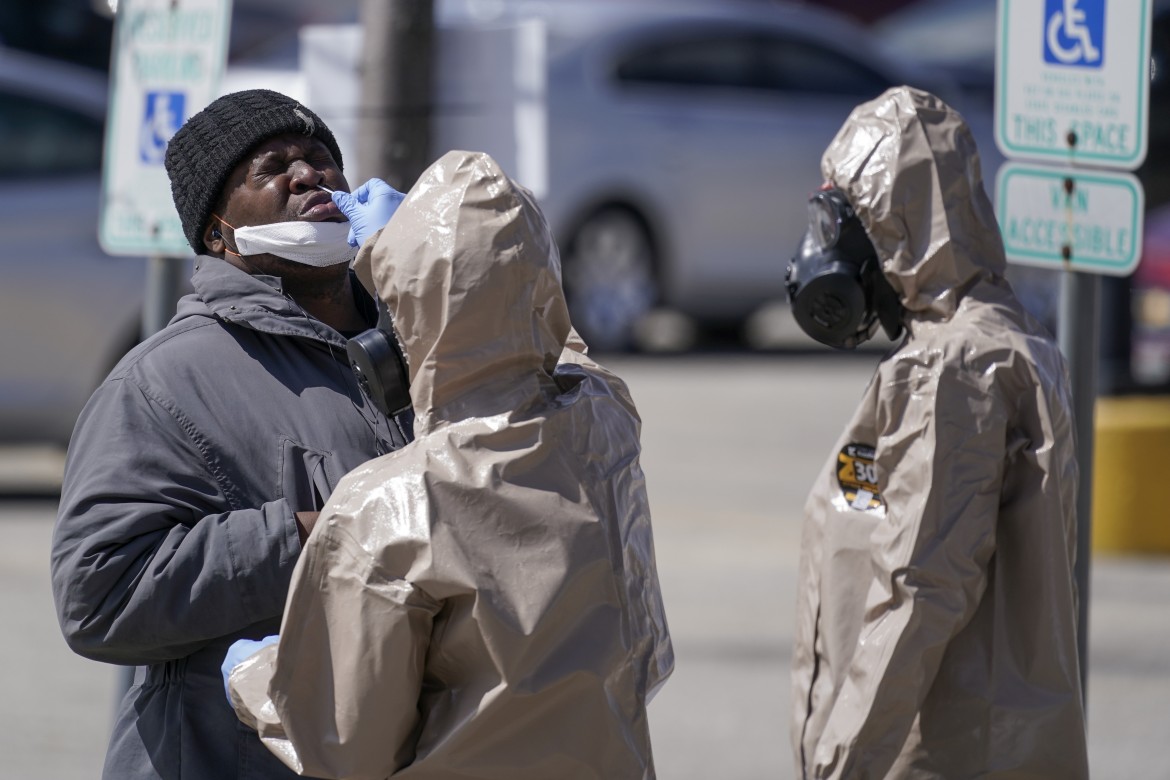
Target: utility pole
(397,65)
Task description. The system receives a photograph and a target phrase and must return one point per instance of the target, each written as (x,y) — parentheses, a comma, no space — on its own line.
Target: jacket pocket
(304,476)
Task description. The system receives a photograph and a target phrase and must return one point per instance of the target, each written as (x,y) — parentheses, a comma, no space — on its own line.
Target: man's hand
(305,523)
(368,208)
(240,651)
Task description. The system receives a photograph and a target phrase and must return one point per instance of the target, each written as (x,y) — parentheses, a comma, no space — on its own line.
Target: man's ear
(213,240)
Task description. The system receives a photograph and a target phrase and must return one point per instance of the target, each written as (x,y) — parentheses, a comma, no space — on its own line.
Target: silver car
(683,140)
(683,149)
(68,311)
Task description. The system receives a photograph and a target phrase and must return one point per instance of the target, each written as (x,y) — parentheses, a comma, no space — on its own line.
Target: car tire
(610,280)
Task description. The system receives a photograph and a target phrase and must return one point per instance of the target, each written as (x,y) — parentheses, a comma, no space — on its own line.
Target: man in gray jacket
(196,469)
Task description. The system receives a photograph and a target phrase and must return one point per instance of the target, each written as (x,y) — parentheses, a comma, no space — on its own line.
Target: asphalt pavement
(730,446)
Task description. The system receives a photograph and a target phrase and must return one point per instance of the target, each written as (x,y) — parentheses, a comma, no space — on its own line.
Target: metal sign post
(168,59)
(1080,314)
(1072,89)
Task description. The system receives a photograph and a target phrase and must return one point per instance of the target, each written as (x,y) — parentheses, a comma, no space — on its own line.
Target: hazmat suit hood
(910,168)
(483,602)
(936,619)
(442,291)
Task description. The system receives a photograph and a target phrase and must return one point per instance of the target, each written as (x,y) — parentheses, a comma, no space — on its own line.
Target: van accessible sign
(1072,81)
(1088,220)
(168,60)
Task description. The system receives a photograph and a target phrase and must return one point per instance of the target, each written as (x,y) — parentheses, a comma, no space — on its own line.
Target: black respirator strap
(887,304)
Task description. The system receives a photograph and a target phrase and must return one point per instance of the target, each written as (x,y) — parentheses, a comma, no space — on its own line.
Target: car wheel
(609,278)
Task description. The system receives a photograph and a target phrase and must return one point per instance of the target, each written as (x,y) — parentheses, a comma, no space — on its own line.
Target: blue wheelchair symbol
(162,117)
(1074,32)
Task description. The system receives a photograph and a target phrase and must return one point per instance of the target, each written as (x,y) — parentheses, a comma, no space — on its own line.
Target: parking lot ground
(730,448)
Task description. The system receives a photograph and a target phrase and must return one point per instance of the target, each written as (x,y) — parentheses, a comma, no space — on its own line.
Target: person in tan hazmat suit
(484,603)
(936,613)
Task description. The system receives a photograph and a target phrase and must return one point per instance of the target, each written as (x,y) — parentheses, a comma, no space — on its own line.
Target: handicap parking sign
(166,64)
(1074,33)
(162,117)
(1073,81)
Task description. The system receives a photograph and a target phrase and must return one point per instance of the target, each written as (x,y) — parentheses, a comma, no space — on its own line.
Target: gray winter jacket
(175,534)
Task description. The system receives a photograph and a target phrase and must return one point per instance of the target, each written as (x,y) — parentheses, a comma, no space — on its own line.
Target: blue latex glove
(369,208)
(240,651)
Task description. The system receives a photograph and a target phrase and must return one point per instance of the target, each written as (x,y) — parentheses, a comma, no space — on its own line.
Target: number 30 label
(857,475)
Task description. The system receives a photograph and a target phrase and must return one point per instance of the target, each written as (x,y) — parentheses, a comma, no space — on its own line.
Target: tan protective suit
(484,602)
(936,617)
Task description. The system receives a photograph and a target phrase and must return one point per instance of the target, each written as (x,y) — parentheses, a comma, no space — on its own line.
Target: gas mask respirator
(838,292)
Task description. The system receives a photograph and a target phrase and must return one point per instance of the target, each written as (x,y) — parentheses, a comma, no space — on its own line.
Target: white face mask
(318,244)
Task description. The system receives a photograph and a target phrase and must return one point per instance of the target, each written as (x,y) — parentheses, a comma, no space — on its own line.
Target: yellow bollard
(1131,461)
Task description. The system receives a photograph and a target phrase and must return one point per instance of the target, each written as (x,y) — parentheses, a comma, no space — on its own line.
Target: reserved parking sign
(1072,81)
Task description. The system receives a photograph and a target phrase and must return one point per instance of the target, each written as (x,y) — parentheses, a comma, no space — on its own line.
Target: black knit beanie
(212,143)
